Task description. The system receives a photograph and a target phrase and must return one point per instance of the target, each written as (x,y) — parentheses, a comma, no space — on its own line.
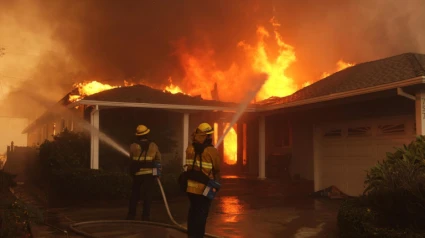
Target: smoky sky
(114,41)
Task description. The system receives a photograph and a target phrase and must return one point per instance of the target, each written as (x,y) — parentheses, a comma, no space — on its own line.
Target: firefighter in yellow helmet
(144,155)
(201,156)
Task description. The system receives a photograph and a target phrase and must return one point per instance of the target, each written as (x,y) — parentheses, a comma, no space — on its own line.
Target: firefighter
(203,158)
(144,154)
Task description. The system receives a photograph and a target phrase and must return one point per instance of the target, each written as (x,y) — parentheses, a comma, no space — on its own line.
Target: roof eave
(404,83)
(163,106)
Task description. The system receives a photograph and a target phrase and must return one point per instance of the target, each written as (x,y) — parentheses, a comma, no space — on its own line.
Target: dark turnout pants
(146,183)
(198,213)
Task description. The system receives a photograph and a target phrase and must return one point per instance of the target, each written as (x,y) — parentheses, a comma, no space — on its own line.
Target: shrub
(67,150)
(396,187)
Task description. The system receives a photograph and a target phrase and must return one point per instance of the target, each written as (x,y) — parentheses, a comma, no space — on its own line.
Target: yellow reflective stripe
(142,158)
(206,165)
(144,171)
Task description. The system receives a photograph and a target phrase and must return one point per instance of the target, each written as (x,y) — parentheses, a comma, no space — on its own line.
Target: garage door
(344,151)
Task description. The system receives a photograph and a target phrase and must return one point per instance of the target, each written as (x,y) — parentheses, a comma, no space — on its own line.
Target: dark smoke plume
(114,41)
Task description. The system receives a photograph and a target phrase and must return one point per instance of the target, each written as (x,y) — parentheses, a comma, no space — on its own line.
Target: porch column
(94,120)
(240,144)
(420,113)
(185,136)
(262,148)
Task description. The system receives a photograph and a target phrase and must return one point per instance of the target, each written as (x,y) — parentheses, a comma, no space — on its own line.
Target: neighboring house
(335,129)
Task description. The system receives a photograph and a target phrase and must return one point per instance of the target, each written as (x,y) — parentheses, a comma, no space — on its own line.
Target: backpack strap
(200,162)
(144,148)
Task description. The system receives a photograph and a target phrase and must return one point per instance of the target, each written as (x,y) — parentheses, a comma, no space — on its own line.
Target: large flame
(278,83)
(230,143)
(201,71)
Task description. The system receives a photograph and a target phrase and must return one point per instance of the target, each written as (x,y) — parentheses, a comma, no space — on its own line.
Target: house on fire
(333,130)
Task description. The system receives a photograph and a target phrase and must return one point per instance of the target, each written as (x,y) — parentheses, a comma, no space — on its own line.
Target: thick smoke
(112,41)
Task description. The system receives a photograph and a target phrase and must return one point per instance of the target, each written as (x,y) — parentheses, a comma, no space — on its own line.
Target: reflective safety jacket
(152,154)
(210,159)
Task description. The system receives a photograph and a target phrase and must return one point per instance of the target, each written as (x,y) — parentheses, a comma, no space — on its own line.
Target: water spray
(260,80)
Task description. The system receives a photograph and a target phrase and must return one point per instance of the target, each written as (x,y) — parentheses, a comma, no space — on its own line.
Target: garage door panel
(344,163)
(359,150)
(333,150)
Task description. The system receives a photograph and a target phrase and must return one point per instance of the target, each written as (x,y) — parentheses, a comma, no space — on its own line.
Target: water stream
(88,127)
(259,82)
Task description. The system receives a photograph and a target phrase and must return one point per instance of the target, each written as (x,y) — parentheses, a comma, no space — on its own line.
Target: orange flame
(201,71)
(89,88)
(341,65)
(278,83)
(172,88)
(230,143)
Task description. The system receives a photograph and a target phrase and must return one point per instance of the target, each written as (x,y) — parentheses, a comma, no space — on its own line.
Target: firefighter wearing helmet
(203,160)
(144,158)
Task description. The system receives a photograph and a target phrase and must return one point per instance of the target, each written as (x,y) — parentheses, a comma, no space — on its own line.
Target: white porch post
(262,148)
(185,136)
(420,113)
(94,157)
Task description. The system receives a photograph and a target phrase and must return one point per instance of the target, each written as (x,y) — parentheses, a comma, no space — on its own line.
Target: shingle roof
(145,94)
(364,75)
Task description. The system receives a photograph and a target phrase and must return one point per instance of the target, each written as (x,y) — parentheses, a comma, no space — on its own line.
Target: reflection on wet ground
(244,208)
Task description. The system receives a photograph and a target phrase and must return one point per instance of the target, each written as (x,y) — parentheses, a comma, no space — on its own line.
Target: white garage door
(344,151)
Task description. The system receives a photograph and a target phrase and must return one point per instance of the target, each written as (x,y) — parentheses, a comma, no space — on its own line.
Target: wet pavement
(244,208)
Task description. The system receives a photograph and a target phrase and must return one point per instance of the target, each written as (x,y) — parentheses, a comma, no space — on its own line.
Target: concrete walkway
(245,208)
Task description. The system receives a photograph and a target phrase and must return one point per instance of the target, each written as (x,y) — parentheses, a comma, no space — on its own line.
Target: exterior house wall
(302,163)
(303,123)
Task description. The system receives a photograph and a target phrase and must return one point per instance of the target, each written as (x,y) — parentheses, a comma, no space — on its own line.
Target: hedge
(357,220)
(76,185)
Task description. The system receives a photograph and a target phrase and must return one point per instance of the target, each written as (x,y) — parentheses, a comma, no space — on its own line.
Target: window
(391,129)
(331,133)
(359,131)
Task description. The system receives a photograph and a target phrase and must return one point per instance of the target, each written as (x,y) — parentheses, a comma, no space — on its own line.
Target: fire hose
(176,225)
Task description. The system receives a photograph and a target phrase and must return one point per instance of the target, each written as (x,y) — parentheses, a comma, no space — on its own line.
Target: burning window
(230,144)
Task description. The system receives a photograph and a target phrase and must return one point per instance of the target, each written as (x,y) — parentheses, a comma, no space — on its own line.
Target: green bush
(393,204)
(357,219)
(396,187)
(67,150)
